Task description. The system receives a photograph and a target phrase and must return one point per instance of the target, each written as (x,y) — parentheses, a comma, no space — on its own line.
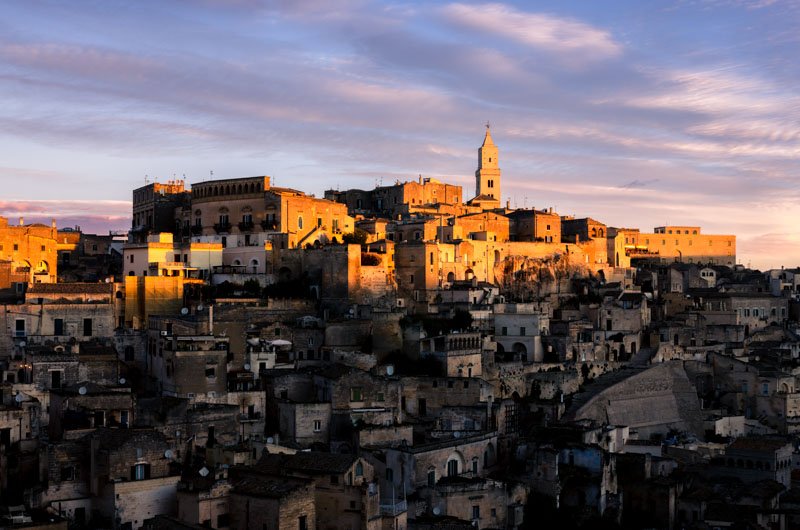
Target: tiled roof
(265,487)
(307,462)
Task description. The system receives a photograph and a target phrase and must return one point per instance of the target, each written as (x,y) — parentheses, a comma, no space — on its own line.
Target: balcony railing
(246,226)
(197,230)
(269,225)
(393,508)
(222,227)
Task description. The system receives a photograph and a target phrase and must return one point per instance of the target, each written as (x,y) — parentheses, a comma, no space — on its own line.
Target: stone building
(399,199)
(60,312)
(189,366)
(88,405)
(671,243)
(535,225)
(344,494)
(274,503)
(237,212)
(154,206)
(160,255)
(518,329)
(28,253)
(132,477)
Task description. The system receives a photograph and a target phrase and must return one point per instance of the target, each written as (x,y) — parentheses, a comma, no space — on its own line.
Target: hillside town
(416,356)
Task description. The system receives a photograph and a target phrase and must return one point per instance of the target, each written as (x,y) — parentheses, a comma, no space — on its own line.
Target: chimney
(21,221)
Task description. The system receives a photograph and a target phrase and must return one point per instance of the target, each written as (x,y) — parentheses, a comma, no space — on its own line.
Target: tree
(356,237)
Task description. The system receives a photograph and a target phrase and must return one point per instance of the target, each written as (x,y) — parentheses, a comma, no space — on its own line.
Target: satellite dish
(23,344)
(199,307)
(18,398)
(247,366)
(204,471)
(122,380)
(389,369)
(437,511)
(82,391)
(184,311)
(270,440)
(168,454)
(457,434)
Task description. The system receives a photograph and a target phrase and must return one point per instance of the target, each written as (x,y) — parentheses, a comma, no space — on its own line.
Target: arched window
(359,469)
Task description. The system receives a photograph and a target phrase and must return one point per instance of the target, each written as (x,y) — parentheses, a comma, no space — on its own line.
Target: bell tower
(487,176)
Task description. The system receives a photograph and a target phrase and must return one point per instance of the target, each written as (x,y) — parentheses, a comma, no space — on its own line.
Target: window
(317,425)
(19,328)
(211,372)
(67,473)
(504,331)
(476,512)
(300,222)
(140,472)
(475,465)
(359,469)
(319,221)
(16,247)
(452,468)
(87,327)
(355,394)
(522,330)
(389,474)
(302,523)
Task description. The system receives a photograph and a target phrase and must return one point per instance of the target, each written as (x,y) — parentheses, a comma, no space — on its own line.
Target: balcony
(269,225)
(222,227)
(197,230)
(246,226)
(393,508)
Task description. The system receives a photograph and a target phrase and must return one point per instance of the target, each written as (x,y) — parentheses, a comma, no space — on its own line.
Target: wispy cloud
(537,30)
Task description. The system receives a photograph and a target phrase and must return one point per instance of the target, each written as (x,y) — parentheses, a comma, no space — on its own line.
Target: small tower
(487,176)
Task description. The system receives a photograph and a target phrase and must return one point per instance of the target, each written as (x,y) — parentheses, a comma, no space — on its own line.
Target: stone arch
(518,347)
(594,232)
(254,265)
(468,274)
(239,189)
(237,263)
(455,464)
(451,277)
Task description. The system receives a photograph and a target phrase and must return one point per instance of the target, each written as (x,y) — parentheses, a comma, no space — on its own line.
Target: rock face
(655,400)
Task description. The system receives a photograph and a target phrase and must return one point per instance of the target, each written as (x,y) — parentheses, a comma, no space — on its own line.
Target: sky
(635,113)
